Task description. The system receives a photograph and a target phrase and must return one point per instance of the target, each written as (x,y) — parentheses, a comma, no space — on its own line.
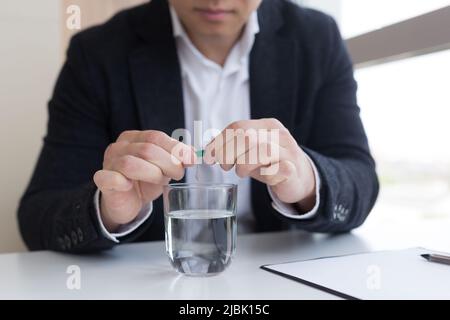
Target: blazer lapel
(273,71)
(273,89)
(156,82)
(155,72)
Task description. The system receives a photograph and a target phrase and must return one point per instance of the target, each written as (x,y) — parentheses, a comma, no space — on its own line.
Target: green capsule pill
(200,153)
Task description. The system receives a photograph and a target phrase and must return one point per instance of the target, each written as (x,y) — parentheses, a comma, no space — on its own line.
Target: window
(358,16)
(405,107)
(405,104)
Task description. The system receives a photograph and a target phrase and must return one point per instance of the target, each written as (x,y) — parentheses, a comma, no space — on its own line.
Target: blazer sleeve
(339,148)
(57,210)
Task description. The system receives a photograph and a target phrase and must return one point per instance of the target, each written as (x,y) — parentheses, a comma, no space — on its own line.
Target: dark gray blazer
(125,75)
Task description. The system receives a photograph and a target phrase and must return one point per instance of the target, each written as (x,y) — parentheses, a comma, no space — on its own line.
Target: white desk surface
(142,271)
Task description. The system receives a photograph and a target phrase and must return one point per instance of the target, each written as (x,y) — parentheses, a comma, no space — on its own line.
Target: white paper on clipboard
(402,274)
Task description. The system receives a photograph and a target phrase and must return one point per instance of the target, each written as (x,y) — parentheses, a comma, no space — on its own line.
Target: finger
(237,142)
(169,164)
(260,155)
(266,123)
(113,151)
(213,151)
(150,192)
(234,148)
(275,173)
(138,169)
(111,181)
(184,153)
(221,147)
(128,136)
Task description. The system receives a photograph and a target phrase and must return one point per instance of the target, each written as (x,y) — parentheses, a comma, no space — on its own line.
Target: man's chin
(217,32)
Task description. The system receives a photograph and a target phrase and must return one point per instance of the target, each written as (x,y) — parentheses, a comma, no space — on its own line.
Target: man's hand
(135,168)
(266,151)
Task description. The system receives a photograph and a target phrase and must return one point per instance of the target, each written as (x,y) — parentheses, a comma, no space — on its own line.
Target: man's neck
(216,49)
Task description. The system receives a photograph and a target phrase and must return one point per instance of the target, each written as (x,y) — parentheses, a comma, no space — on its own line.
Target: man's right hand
(135,169)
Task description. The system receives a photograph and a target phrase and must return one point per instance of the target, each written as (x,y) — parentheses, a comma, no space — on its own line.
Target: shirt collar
(243,46)
(178,30)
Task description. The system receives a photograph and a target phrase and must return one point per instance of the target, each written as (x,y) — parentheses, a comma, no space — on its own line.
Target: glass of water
(200,227)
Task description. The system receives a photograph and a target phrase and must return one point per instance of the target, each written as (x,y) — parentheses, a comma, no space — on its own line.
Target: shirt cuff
(289,210)
(125,229)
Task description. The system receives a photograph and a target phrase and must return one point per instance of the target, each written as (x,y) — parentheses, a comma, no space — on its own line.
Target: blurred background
(401,50)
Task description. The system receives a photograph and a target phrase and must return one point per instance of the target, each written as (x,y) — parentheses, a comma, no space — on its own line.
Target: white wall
(30,58)
(33,40)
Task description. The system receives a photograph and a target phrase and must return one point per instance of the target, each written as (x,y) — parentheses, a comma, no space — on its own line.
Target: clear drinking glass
(200,227)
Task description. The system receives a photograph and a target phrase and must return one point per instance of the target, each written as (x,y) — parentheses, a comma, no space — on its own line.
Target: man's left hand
(266,151)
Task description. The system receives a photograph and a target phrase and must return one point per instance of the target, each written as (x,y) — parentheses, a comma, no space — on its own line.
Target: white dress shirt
(215,96)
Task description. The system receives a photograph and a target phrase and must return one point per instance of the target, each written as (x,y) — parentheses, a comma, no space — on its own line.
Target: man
(231,64)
